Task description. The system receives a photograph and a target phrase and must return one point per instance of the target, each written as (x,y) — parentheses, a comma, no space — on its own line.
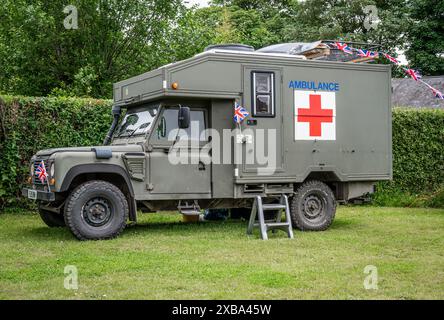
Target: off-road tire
(103,197)
(52,219)
(313,206)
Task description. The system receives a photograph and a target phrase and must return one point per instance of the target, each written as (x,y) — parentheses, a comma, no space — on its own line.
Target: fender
(103,168)
(96,168)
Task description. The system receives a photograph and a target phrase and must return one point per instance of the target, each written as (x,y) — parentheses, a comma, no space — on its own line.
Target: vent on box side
(254,188)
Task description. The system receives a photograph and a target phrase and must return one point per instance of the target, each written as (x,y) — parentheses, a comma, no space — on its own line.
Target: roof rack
(338,55)
(322,50)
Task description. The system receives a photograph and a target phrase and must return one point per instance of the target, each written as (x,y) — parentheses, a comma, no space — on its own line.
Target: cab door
(262,129)
(176,164)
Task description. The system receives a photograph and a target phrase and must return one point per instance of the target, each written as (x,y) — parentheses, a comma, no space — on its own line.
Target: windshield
(137,121)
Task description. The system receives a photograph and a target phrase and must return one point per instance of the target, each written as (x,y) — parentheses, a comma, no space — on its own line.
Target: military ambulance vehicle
(302,135)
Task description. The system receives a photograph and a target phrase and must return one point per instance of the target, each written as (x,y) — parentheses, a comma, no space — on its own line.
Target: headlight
(52,169)
(31,169)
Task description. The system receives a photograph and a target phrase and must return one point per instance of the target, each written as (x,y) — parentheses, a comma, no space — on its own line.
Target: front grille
(36,179)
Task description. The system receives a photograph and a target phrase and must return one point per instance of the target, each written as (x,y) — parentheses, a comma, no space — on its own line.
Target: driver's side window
(168,124)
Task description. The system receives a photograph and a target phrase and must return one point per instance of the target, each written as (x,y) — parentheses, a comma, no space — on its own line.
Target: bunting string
(414,74)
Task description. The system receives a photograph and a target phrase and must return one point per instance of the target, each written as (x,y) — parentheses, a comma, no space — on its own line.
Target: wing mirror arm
(174,142)
(183,121)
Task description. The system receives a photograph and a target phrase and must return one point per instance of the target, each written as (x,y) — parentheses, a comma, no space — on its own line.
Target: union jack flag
(41,172)
(239,113)
(437,93)
(344,47)
(367,53)
(413,73)
(392,59)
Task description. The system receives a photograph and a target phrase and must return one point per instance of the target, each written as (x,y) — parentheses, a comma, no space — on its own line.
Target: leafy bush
(418,160)
(29,124)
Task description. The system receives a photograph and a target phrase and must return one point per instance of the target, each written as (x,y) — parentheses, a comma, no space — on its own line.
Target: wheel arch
(100,171)
(330,178)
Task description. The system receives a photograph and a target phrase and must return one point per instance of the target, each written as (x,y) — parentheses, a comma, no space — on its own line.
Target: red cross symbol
(315,115)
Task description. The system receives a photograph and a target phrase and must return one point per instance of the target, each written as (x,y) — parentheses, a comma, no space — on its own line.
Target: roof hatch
(231,47)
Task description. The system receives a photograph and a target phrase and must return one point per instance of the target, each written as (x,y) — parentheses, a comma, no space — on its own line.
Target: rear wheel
(96,210)
(52,219)
(313,207)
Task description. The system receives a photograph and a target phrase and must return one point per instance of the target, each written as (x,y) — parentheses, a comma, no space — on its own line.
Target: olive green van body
(211,84)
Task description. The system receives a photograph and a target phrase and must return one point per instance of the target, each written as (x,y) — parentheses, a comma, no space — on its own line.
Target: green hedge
(29,124)
(418,160)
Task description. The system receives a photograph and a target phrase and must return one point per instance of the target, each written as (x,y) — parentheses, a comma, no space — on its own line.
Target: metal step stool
(275,224)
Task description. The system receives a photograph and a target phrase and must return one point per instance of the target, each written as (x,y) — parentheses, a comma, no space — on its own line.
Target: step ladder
(274,224)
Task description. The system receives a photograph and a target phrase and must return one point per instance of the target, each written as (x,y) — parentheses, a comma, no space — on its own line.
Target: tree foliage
(426,36)
(117,39)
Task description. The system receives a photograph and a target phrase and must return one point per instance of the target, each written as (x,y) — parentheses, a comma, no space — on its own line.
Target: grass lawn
(163,258)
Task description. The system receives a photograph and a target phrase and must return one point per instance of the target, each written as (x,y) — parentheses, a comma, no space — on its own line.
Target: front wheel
(96,210)
(313,207)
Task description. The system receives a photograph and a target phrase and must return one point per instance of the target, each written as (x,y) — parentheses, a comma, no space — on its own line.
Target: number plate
(32,194)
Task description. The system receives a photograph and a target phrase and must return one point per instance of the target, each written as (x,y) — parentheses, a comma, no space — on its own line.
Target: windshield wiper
(143,125)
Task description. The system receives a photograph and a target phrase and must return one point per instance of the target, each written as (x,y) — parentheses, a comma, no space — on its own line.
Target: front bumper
(41,195)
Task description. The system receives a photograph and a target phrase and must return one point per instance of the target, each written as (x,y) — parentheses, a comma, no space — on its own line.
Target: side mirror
(184,117)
